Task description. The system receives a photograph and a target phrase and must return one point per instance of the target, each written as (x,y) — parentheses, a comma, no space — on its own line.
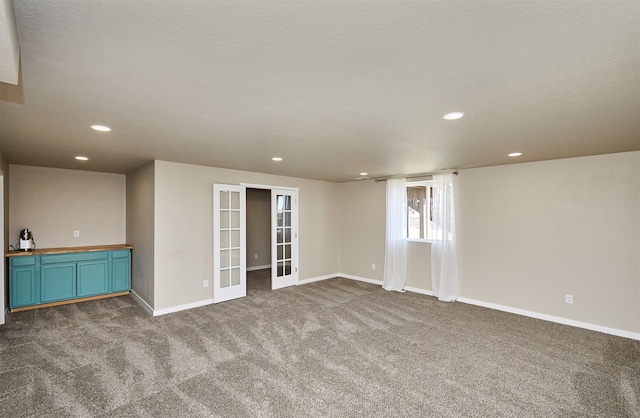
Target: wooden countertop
(64,250)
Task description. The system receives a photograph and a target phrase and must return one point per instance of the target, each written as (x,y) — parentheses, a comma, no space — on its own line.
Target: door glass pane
(224,219)
(224,199)
(283,221)
(235,258)
(235,200)
(235,219)
(224,258)
(224,278)
(287,251)
(235,239)
(224,239)
(229,242)
(235,276)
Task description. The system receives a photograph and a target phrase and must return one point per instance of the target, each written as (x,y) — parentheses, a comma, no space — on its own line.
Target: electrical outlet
(255,256)
(373,267)
(568,298)
(205,283)
(76,234)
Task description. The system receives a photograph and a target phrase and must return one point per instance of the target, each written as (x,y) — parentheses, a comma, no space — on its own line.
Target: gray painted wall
(141,230)
(184,203)
(258,227)
(54,202)
(527,235)
(530,233)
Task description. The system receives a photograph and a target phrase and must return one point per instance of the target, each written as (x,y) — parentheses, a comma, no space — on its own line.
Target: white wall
(184,228)
(362,228)
(528,234)
(362,236)
(140,230)
(54,202)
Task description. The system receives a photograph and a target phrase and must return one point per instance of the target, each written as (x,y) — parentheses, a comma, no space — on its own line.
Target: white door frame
(267,187)
(295,249)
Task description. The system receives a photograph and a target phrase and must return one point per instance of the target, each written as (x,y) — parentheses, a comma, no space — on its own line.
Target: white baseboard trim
(184,307)
(418,290)
(254,268)
(334,275)
(359,278)
(317,279)
(143,303)
(551,318)
(517,311)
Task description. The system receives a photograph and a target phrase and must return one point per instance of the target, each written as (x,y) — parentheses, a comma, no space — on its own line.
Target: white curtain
(444,255)
(395,251)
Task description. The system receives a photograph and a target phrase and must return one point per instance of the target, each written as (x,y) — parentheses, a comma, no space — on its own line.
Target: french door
(229,247)
(284,238)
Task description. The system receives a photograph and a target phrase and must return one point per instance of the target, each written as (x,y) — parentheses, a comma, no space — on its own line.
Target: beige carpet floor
(336,348)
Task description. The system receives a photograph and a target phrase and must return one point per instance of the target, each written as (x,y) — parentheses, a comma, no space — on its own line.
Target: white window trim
(419,240)
(414,184)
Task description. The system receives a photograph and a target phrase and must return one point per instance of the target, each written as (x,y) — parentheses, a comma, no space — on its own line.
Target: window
(420,210)
(423,222)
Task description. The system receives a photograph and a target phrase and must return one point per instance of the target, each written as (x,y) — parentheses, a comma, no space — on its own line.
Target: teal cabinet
(48,278)
(120,271)
(57,282)
(24,281)
(93,277)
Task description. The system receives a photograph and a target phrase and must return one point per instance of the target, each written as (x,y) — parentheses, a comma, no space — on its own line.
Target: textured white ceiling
(335,88)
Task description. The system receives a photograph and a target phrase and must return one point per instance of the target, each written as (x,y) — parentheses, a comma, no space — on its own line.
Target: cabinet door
(22,283)
(93,278)
(120,274)
(57,282)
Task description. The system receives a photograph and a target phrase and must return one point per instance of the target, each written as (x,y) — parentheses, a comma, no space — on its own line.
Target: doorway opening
(280,205)
(233,254)
(258,239)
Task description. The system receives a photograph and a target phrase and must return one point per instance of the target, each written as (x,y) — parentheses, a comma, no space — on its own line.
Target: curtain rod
(413,176)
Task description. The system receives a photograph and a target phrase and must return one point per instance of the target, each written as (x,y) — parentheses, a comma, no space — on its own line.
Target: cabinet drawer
(73,257)
(23,261)
(120,253)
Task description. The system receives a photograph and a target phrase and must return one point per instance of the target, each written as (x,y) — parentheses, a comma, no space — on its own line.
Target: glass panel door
(284,252)
(229,266)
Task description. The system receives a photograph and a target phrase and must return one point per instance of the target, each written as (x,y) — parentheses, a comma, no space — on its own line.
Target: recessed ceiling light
(277,158)
(81,158)
(453,116)
(101,128)
(515,154)
(364,174)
